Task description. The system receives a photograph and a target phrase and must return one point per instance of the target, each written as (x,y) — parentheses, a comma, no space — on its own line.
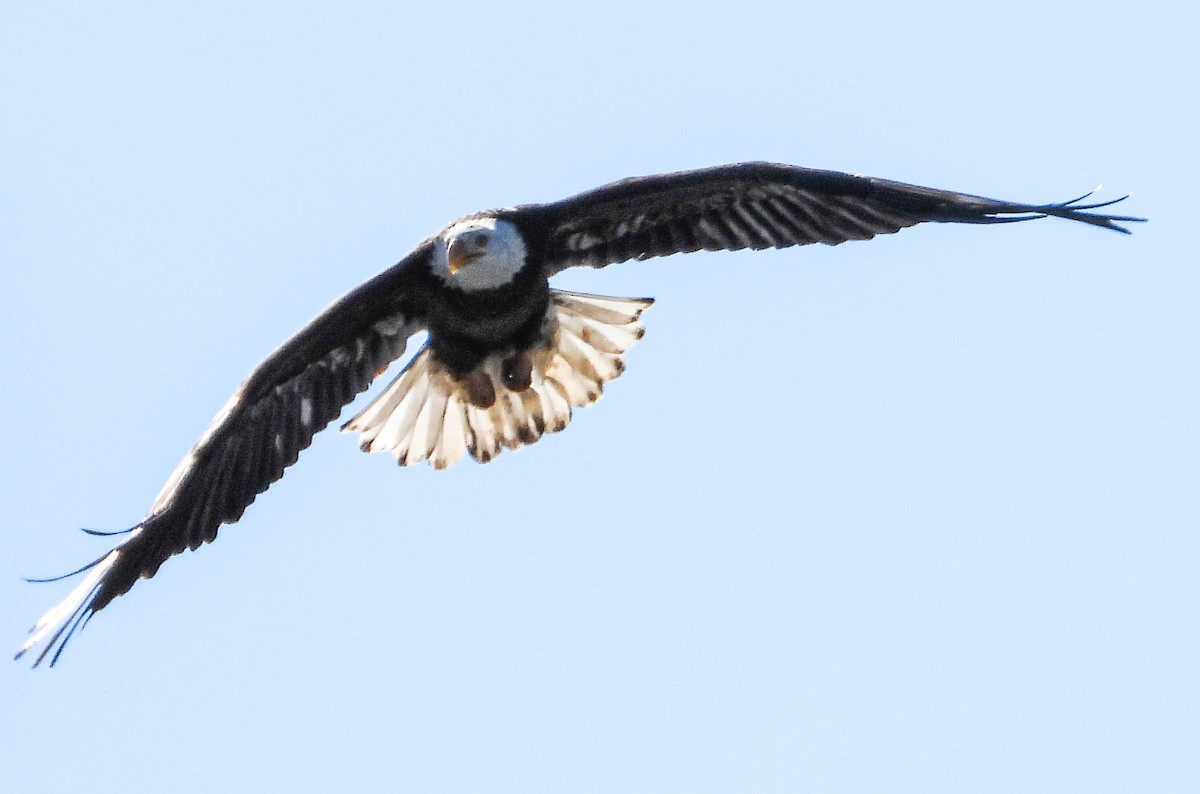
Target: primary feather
(507,357)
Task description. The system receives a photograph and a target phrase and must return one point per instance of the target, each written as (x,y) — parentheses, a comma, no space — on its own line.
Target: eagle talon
(480,288)
(480,390)
(517,372)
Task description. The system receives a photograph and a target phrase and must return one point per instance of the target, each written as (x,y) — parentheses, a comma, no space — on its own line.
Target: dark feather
(304,384)
(261,431)
(761,205)
(325,365)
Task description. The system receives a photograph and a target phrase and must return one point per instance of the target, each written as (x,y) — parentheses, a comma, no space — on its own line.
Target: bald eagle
(507,357)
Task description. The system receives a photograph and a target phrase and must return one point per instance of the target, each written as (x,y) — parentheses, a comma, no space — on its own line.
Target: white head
(479,254)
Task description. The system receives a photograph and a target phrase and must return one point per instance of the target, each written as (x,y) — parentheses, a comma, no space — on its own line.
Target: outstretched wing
(760,205)
(274,415)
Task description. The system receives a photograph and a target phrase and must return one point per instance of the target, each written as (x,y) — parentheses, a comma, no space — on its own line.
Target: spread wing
(760,205)
(259,432)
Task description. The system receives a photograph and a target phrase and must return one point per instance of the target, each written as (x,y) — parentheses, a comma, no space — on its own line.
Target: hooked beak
(462,251)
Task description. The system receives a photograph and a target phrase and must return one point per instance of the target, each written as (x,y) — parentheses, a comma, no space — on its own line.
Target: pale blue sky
(918,514)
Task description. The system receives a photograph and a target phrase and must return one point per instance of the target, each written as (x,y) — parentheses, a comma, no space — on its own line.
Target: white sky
(918,514)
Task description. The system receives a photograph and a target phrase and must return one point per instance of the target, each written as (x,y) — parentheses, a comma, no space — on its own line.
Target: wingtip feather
(56,627)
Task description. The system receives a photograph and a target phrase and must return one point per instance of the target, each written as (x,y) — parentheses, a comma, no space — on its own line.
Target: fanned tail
(428,414)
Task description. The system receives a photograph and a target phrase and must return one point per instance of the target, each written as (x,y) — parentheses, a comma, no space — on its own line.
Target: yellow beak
(459,254)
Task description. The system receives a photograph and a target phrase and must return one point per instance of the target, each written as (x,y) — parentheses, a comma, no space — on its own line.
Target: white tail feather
(482,440)
(452,443)
(555,406)
(427,414)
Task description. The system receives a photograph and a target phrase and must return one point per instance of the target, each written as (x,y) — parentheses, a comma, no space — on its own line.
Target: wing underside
(764,205)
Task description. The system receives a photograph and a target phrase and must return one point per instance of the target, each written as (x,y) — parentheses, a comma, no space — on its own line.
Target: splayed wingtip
(56,627)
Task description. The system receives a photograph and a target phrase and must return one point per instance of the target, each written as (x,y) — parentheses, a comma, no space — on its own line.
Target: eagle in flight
(507,357)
